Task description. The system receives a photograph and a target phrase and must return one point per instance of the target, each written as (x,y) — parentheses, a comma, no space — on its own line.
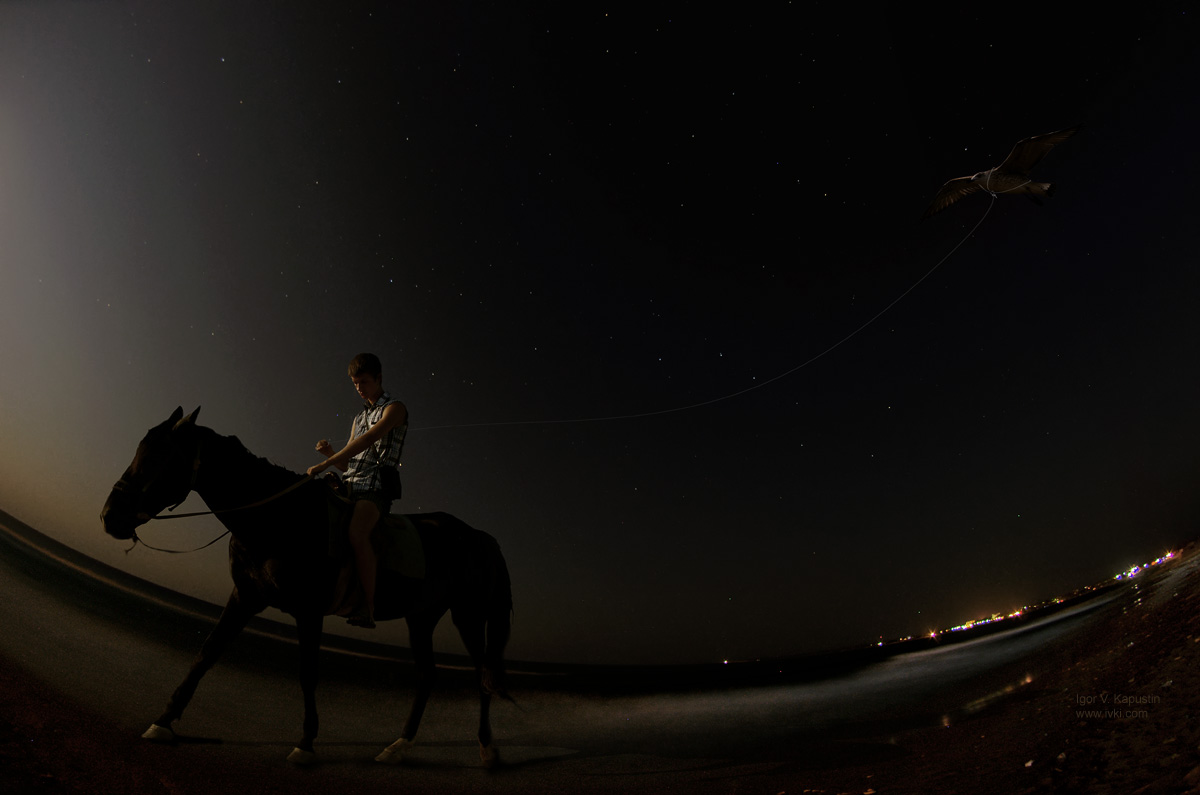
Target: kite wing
(951,192)
(1029,152)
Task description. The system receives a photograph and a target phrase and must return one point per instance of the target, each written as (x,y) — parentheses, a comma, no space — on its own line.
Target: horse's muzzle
(119,521)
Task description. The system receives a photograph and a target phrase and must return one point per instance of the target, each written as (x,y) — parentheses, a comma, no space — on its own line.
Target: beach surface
(1109,704)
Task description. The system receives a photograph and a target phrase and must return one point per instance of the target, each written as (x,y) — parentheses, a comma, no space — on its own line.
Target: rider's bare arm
(393,414)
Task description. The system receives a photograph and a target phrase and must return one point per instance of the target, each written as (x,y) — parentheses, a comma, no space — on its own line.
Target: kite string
(738,393)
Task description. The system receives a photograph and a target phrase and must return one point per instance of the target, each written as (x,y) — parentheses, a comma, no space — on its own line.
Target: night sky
(587,244)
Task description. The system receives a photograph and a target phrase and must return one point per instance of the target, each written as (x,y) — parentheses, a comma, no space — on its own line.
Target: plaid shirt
(363,471)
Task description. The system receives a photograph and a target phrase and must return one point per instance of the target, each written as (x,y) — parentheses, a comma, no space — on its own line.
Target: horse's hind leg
(471,628)
(233,620)
(420,641)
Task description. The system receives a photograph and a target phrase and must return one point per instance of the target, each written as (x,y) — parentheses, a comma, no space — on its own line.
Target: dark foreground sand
(1139,671)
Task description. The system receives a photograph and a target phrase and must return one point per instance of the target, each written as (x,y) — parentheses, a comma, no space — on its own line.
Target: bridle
(124,486)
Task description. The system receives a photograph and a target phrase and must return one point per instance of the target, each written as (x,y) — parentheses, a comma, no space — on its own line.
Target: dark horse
(279,557)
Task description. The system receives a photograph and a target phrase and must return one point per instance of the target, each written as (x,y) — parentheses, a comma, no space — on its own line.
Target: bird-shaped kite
(1011,176)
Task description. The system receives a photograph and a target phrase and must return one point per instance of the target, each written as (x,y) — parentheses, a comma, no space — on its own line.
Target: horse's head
(162,474)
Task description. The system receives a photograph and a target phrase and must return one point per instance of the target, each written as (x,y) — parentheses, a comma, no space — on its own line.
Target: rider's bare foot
(364,620)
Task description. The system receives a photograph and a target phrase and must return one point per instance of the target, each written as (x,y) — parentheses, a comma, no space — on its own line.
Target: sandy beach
(1114,712)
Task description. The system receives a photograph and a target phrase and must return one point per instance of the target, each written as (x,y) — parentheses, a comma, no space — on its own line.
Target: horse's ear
(188,420)
(176,415)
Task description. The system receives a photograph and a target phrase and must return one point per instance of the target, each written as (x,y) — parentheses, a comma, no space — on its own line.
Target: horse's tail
(499,624)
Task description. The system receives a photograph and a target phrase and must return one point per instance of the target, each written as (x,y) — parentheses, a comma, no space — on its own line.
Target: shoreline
(47,556)
(1109,710)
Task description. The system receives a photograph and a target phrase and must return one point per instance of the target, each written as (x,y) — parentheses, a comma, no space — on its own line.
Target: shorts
(382,501)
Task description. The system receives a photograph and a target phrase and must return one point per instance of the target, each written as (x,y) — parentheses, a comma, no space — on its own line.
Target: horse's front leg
(233,620)
(309,627)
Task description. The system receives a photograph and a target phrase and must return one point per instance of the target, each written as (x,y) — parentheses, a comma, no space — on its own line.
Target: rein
(272,498)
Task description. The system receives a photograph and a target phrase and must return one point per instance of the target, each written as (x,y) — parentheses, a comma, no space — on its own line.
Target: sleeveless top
(364,471)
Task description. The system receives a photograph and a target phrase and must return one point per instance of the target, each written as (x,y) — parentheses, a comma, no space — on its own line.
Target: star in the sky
(1011,176)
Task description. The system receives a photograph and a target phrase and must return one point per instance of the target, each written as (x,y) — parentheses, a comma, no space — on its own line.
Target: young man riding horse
(370,461)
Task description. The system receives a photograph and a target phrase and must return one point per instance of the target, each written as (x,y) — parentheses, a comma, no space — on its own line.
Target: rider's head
(366,364)
(367,375)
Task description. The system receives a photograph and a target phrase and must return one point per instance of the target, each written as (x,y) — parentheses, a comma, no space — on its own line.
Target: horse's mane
(248,466)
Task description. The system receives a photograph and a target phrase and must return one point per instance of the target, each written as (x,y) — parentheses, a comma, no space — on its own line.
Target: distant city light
(1129,574)
(1135,570)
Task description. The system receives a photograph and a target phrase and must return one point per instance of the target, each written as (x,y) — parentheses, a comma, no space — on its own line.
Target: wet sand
(1117,710)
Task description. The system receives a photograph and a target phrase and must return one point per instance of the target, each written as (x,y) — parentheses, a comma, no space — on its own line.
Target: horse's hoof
(489,756)
(394,754)
(159,734)
(299,756)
